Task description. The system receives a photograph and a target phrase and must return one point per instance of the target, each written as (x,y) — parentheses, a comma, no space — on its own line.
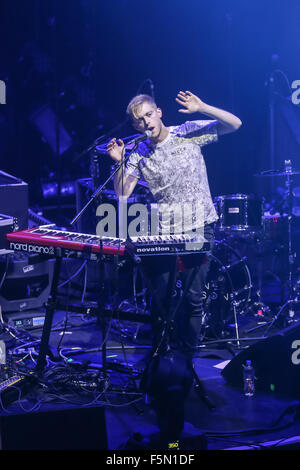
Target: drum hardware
(239,292)
(253,304)
(222,297)
(234,308)
(292,300)
(286,172)
(229,266)
(259,310)
(137,303)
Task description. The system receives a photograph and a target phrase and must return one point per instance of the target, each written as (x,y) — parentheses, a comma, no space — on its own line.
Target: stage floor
(234,422)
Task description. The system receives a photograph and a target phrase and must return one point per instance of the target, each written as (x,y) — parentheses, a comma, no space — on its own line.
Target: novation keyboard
(51,242)
(166,245)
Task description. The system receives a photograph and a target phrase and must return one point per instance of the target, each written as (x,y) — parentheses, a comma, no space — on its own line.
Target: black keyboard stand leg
(200,389)
(44,349)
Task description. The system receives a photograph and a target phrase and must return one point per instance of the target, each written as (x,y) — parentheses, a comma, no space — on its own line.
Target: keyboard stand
(44,349)
(51,305)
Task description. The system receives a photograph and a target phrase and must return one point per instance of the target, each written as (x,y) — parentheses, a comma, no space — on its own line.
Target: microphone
(140,138)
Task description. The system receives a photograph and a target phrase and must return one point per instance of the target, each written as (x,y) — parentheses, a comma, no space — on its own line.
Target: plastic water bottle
(248,374)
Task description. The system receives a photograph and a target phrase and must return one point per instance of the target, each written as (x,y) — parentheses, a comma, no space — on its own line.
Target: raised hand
(191,103)
(115,149)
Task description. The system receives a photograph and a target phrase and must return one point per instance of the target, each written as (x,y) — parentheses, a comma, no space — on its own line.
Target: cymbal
(277,173)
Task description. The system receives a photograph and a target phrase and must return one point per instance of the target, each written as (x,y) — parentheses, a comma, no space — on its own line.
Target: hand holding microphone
(115,147)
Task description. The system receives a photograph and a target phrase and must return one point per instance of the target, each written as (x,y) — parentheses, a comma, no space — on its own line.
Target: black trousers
(167,284)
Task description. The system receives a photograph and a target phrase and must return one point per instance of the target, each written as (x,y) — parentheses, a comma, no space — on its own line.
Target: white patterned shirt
(176,173)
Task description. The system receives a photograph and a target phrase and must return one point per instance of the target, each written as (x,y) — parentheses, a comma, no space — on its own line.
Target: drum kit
(230,291)
(251,247)
(251,243)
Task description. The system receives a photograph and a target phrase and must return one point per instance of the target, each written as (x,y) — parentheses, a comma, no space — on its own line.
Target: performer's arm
(227,122)
(124,184)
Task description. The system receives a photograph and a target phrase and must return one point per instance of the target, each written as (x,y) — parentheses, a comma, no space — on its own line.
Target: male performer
(172,164)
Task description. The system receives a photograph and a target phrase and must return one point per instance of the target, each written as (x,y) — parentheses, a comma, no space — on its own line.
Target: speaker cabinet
(14,199)
(61,429)
(276,361)
(7,224)
(88,222)
(27,282)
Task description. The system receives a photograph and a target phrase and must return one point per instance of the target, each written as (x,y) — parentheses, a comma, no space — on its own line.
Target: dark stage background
(70,68)
(83,60)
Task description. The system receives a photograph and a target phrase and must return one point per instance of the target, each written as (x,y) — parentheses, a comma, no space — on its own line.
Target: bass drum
(228,280)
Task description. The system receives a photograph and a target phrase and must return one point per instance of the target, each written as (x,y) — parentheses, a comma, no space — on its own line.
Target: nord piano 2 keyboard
(52,242)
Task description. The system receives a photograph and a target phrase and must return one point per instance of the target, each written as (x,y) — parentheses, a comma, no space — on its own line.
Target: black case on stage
(14,199)
(27,281)
(6,225)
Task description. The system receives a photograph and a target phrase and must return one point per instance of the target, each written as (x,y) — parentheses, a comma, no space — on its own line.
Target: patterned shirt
(176,173)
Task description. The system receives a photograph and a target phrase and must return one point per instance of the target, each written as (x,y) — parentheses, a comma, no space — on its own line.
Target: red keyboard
(51,242)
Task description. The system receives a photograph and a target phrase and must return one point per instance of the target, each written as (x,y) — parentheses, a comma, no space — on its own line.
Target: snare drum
(239,212)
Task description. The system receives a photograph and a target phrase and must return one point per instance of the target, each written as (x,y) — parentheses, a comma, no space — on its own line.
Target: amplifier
(14,199)
(87,223)
(27,282)
(7,224)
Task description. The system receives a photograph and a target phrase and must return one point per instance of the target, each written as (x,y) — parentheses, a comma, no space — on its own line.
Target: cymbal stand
(291,255)
(233,302)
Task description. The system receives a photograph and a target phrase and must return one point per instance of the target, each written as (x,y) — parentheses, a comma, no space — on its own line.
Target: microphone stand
(100,188)
(99,140)
(101,303)
(52,301)
(117,127)
(272,126)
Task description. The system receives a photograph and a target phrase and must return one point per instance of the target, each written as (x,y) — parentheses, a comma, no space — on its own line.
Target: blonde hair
(137,101)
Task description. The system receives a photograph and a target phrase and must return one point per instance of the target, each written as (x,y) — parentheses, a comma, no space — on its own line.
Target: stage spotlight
(50,189)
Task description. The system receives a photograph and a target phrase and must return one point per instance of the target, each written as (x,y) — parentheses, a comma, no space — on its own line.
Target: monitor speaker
(276,361)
